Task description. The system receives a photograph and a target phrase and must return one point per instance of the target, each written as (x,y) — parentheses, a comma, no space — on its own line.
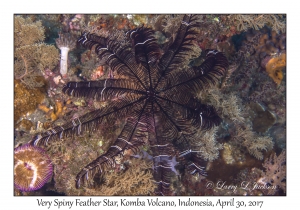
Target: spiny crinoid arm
(103,89)
(162,152)
(179,131)
(117,109)
(145,45)
(193,161)
(214,66)
(118,57)
(181,48)
(90,40)
(126,140)
(164,168)
(147,51)
(192,113)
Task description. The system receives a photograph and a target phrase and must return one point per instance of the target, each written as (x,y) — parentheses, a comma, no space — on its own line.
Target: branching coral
(254,143)
(130,177)
(251,78)
(27,32)
(208,146)
(275,174)
(65,43)
(233,111)
(136,180)
(170,25)
(229,105)
(31,55)
(244,22)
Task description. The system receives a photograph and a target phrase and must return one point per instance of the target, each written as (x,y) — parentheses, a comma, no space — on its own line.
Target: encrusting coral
(275,66)
(269,42)
(32,56)
(53,112)
(25,100)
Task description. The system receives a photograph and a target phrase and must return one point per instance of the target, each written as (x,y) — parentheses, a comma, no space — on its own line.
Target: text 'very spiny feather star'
(156,97)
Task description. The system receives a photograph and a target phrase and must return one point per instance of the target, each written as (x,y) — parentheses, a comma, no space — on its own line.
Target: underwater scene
(149,104)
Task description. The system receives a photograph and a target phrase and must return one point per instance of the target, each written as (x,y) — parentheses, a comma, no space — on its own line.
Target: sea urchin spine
(32,168)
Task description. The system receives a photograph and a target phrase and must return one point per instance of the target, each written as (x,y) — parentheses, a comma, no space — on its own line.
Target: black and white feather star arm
(214,66)
(119,58)
(194,163)
(88,121)
(91,40)
(102,89)
(190,115)
(147,52)
(163,160)
(181,46)
(179,51)
(145,45)
(126,140)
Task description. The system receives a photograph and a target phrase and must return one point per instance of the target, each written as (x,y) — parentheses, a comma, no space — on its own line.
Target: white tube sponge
(65,42)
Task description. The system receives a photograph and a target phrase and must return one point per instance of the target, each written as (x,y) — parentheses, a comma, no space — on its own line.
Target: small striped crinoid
(154,93)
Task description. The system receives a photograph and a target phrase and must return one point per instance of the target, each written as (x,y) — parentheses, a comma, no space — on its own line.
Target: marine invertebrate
(65,42)
(263,119)
(25,100)
(242,133)
(53,112)
(154,93)
(31,56)
(244,22)
(32,168)
(275,173)
(269,43)
(254,143)
(137,179)
(275,66)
